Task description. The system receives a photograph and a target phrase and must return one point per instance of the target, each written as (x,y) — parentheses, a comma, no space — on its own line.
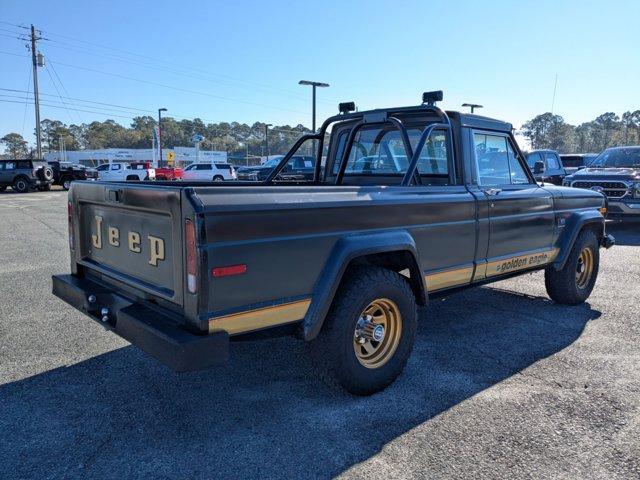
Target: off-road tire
(66,182)
(562,285)
(133,178)
(333,353)
(21,185)
(44,173)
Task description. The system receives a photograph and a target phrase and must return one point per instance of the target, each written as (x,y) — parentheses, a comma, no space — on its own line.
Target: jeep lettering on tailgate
(156,244)
(136,244)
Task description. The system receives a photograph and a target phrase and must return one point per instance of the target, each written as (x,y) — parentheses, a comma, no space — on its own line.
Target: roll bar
(371,116)
(276,171)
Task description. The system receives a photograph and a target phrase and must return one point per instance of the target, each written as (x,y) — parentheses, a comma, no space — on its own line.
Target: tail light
(70,223)
(192,263)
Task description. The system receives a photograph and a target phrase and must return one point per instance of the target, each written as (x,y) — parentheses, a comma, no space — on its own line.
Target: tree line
(549,131)
(546,131)
(236,138)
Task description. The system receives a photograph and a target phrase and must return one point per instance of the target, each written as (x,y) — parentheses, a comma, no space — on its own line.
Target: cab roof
(470,120)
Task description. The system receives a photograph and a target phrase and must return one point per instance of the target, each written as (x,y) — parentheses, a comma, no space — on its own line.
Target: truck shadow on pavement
(121,414)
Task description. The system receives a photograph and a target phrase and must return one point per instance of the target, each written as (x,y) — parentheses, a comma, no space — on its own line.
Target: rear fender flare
(346,250)
(576,222)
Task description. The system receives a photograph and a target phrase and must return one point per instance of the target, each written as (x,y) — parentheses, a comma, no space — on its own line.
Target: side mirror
(538,167)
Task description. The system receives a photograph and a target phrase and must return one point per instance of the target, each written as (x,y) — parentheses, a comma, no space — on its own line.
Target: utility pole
(266,138)
(34,60)
(160,110)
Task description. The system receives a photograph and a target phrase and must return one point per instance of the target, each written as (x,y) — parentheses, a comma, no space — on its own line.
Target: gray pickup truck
(411,204)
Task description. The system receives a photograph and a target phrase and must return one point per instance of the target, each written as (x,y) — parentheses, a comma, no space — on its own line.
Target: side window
(115,166)
(552,161)
(518,174)
(23,165)
(10,165)
(492,159)
(497,161)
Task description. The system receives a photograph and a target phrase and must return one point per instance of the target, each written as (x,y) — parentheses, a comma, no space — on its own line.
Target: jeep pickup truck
(411,204)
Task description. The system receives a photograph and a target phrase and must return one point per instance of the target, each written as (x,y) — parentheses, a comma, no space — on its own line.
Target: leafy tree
(16,146)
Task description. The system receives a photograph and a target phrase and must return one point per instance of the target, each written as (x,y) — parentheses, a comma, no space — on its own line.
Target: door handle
(492,191)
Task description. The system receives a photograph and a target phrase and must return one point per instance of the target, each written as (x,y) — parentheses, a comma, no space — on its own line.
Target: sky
(241,60)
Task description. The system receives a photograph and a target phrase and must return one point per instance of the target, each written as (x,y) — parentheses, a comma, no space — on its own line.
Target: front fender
(574,224)
(345,250)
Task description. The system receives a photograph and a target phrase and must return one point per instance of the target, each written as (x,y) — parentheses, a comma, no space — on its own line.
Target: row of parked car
(25,175)
(615,173)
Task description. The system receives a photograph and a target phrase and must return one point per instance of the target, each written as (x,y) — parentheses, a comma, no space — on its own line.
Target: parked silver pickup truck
(412,203)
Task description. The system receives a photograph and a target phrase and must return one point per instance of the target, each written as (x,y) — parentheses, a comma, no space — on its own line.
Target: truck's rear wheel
(369,331)
(573,284)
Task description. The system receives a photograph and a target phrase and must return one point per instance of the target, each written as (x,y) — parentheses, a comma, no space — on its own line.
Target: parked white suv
(216,172)
(119,171)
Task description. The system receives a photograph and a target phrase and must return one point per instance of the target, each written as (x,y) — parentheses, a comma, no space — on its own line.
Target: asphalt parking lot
(502,383)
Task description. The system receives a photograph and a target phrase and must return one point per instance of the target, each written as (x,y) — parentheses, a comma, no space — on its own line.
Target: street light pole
(266,138)
(313,105)
(160,110)
(473,106)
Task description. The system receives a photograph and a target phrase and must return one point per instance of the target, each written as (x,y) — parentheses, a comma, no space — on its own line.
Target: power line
(180,71)
(57,90)
(24,115)
(14,24)
(170,87)
(64,89)
(180,67)
(14,54)
(107,113)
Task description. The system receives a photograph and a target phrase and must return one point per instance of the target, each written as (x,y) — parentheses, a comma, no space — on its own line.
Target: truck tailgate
(131,233)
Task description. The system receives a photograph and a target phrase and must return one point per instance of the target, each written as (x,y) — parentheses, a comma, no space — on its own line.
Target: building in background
(91,158)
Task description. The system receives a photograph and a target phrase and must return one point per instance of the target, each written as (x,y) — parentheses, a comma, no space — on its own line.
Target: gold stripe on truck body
(260,318)
(266,317)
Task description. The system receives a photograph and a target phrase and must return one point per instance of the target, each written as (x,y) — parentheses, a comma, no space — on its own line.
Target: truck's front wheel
(368,334)
(573,284)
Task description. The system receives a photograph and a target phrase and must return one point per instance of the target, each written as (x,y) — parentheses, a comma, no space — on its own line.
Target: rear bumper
(143,326)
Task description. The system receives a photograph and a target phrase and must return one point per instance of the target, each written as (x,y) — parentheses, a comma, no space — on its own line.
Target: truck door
(521,213)
(114,172)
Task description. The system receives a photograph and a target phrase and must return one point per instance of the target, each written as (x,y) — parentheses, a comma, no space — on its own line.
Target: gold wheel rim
(373,349)
(584,269)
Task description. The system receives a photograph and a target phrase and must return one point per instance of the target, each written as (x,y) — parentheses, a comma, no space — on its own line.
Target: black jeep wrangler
(25,175)
(65,172)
